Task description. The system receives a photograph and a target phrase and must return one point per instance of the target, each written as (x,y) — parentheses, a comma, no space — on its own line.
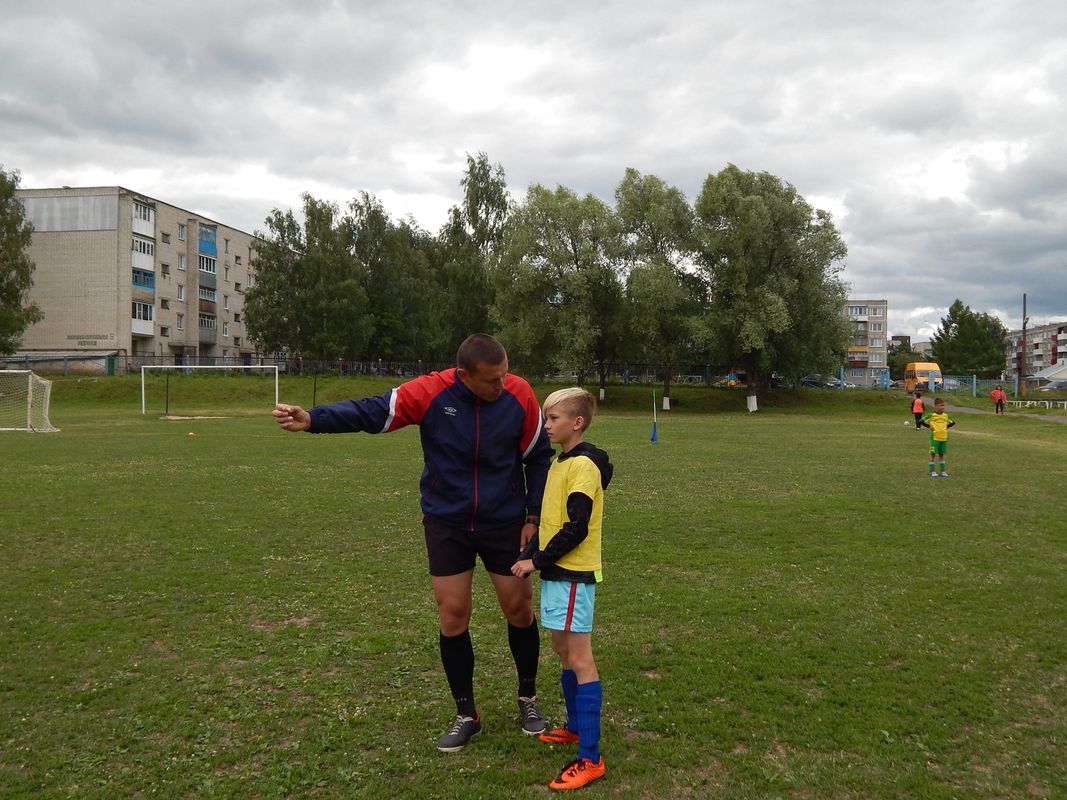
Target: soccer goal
(24,399)
(186,371)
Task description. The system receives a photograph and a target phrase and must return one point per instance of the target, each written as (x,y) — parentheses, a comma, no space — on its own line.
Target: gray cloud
(932,131)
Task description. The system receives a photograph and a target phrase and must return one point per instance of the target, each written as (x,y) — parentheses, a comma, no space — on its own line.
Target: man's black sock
(525,649)
(457,657)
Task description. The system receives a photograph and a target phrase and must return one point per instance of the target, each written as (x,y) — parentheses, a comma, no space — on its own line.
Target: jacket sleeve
(535,447)
(370,415)
(382,413)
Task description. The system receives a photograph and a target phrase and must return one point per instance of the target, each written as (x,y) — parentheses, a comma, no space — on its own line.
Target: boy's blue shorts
(567,606)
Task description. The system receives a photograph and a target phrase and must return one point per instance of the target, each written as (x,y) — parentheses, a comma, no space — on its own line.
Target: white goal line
(263,367)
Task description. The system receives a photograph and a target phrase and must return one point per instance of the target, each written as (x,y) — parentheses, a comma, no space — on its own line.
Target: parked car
(835,383)
(896,384)
(1054,386)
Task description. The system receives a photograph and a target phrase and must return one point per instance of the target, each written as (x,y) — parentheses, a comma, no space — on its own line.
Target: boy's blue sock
(569,681)
(588,700)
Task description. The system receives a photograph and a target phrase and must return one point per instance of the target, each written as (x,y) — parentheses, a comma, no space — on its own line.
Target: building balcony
(142,327)
(208,307)
(209,336)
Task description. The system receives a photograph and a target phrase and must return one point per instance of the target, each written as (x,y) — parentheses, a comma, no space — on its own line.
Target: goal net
(184,390)
(24,399)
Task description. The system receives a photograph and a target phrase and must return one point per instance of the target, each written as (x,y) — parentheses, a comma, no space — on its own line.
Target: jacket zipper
(477,450)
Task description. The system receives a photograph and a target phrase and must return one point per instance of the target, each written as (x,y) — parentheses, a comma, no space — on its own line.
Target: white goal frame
(38,398)
(173,367)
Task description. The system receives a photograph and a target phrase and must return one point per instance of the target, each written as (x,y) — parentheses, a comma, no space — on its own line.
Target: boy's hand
(521,569)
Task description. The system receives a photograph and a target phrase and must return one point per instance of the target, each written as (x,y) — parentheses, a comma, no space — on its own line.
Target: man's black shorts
(453,550)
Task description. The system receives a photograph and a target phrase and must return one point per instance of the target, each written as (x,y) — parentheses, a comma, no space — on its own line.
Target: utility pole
(1022,355)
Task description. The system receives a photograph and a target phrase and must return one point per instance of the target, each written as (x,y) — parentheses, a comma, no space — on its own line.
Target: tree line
(746,277)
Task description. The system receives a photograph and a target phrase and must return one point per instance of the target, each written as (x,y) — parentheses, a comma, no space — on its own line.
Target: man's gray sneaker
(533,721)
(461,732)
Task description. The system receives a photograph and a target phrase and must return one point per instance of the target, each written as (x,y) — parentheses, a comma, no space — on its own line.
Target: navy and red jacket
(485,462)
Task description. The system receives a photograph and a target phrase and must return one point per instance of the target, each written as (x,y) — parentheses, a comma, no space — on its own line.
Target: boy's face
(939,408)
(561,425)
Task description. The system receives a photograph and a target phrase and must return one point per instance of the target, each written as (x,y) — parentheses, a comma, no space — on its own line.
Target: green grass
(791,607)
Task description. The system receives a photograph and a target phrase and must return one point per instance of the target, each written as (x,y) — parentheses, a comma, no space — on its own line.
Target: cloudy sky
(935,132)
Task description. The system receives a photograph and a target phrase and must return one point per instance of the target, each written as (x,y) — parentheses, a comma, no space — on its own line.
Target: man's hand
(529,530)
(291,418)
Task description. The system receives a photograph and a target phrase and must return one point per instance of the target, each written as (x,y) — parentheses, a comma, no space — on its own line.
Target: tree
(16,268)
(969,343)
(665,298)
(771,262)
(309,297)
(557,286)
(467,248)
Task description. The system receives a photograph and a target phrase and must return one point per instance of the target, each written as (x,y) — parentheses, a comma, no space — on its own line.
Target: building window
(207,294)
(876,342)
(179,321)
(876,311)
(226,274)
(165,268)
(226,245)
(144,280)
(236,317)
(208,264)
(225,329)
(236,341)
(876,326)
(226,302)
(857,373)
(237,260)
(164,330)
(141,211)
(207,321)
(181,292)
(145,246)
(181,232)
(181,261)
(166,238)
(873,357)
(142,311)
(857,311)
(164,302)
(237,286)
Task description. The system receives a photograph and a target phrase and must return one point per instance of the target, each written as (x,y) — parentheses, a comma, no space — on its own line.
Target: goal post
(24,401)
(261,369)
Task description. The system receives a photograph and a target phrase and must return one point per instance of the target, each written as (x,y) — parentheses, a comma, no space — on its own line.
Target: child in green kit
(938,422)
(567,553)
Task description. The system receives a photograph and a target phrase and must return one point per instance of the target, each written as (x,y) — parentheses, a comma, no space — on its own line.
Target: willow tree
(772,265)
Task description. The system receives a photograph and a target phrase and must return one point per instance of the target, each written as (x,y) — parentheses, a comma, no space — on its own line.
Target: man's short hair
(479,348)
(938,400)
(575,401)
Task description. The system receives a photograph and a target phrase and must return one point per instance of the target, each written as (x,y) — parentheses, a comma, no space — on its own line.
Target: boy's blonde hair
(575,400)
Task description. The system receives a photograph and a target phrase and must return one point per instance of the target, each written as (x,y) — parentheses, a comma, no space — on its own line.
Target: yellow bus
(922,376)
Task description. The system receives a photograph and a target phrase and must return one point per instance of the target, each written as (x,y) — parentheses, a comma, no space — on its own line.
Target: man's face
(486,381)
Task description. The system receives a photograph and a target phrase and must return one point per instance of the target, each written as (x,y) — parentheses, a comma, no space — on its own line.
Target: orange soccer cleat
(579,773)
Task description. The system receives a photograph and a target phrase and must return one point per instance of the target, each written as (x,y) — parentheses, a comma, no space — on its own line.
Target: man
(486,458)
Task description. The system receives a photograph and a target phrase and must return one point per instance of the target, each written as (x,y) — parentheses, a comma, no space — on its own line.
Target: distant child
(918,409)
(567,553)
(999,397)
(938,422)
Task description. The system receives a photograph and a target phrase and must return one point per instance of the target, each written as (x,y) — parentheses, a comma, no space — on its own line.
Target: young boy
(567,553)
(938,422)
(918,409)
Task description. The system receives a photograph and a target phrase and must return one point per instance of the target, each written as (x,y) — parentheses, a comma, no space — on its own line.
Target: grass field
(791,608)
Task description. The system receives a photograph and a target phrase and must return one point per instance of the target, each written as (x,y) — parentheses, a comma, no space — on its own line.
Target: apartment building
(120,272)
(867,363)
(1046,346)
